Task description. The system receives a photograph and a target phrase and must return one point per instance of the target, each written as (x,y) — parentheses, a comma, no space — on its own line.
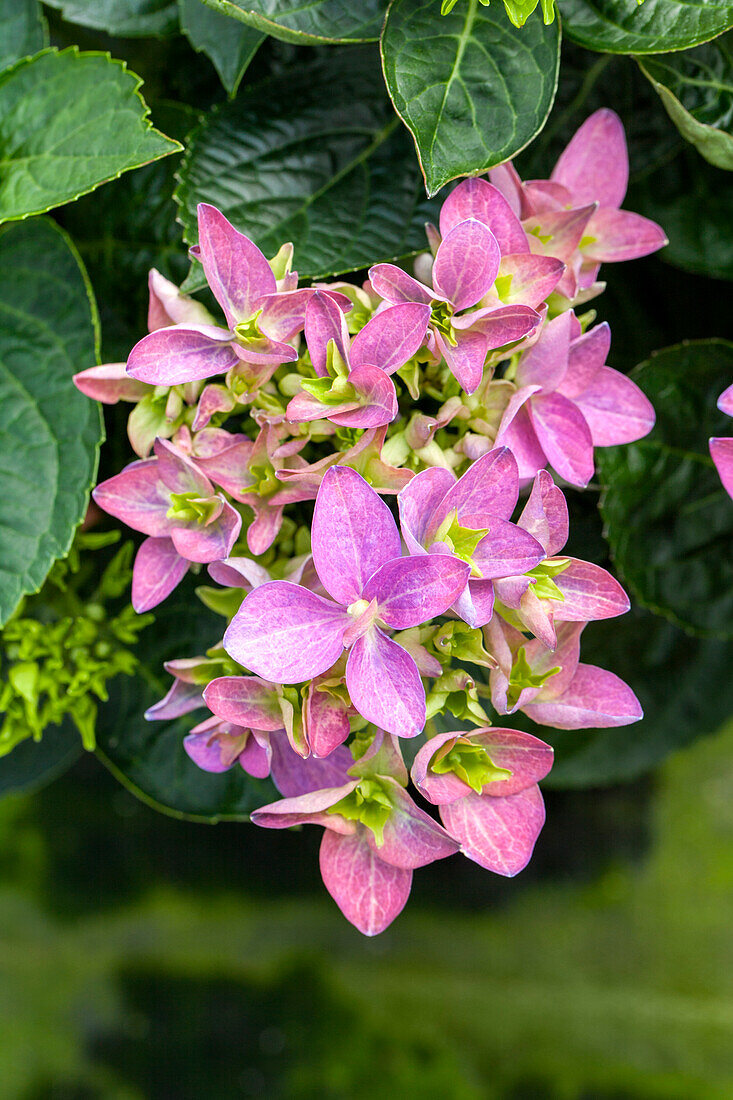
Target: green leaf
(313,155)
(49,153)
(148,757)
(658,26)
(230,48)
(669,522)
(49,433)
(22,30)
(125,18)
(33,764)
(691,200)
(696,88)
(472,89)
(308,21)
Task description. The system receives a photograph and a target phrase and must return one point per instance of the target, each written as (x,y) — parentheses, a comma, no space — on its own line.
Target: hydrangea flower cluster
(348,462)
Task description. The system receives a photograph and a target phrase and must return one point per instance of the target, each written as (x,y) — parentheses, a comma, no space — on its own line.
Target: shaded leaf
(33,764)
(312,22)
(22,30)
(49,433)
(230,48)
(51,154)
(126,18)
(696,88)
(669,521)
(148,757)
(621,26)
(315,156)
(472,88)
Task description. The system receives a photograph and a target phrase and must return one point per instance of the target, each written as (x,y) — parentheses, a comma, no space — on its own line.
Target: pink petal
(137,497)
(181,698)
(418,501)
(482,201)
(263,531)
(185,353)
(545,515)
(475,605)
(158,569)
(324,321)
(590,593)
(437,788)
(725,401)
(586,355)
(615,409)
(396,286)
(516,432)
(546,362)
(465,358)
(178,473)
(545,196)
(211,542)
(594,699)
(466,264)
(490,487)
(167,306)
(385,685)
(309,808)
(377,396)
(621,235)
(526,757)
(292,775)
(326,721)
(214,752)
(499,324)
(236,271)
(263,352)
(285,633)
(507,550)
(283,314)
(564,436)
(721,452)
(353,533)
(109,384)
(255,758)
(506,179)
(410,591)
(497,833)
(245,701)
(239,573)
(594,166)
(411,837)
(533,278)
(369,892)
(391,337)
(565,229)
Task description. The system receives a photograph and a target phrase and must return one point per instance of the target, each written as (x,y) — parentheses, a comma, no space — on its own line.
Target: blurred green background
(143,957)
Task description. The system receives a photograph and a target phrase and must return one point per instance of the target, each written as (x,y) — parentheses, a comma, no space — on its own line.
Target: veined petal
(721,452)
(137,497)
(586,355)
(245,701)
(594,699)
(391,337)
(283,314)
(533,278)
(506,551)
(181,698)
(466,357)
(526,757)
(210,542)
(385,686)
(178,473)
(236,271)
(546,361)
(369,892)
(475,198)
(621,235)
(411,837)
(396,286)
(411,591)
(564,436)
(417,502)
(466,264)
(594,165)
(158,569)
(615,409)
(545,515)
(109,384)
(184,353)
(285,633)
(168,306)
(489,487)
(377,400)
(308,808)
(497,833)
(475,605)
(589,592)
(353,533)
(324,321)
(292,775)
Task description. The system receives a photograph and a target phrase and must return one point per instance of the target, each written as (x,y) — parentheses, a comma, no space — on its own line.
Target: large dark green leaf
(656,26)
(696,88)
(309,21)
(49,433)
(126,18)
(472,88)
(33,764)
(315,156)
(230,48)
(50,153)
(692,201)
(148,757)
(22,30)
(669,521)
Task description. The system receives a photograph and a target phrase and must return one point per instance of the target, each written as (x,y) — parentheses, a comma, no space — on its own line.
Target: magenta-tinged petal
(595,698)
(545,515)
(725,401)
(466,264)
(211,542)
(181,698)
(109,384)
(369,892)
(482,201)
(410,591)
(239,573)
(396,286)
(590,593)
(245,701)
(261,351)
(137,497)
(324,321)
(490,487)
(178,473)
(564,436)
(526,757)
(561,231)
(185,353)
(520,437)
(621,235)
(475,605)
(411,837)
(615,409)
(507,550)
(465,357)
(285,633)
(326,721)
(500,325)
(353,533)
(546,362)
(533,278)
(236,271)
(418,501)
(385,685)
(506,179)
(305,408)
(497,833)
(378,398)
(283,314)
(215,750)
(255,758)
(167,306)
(434,787)
(586,355)
(391,337)
(721,452)
(292,775)
(309,808)
(263,531)
(545,196)
(594,165)
(158,569)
